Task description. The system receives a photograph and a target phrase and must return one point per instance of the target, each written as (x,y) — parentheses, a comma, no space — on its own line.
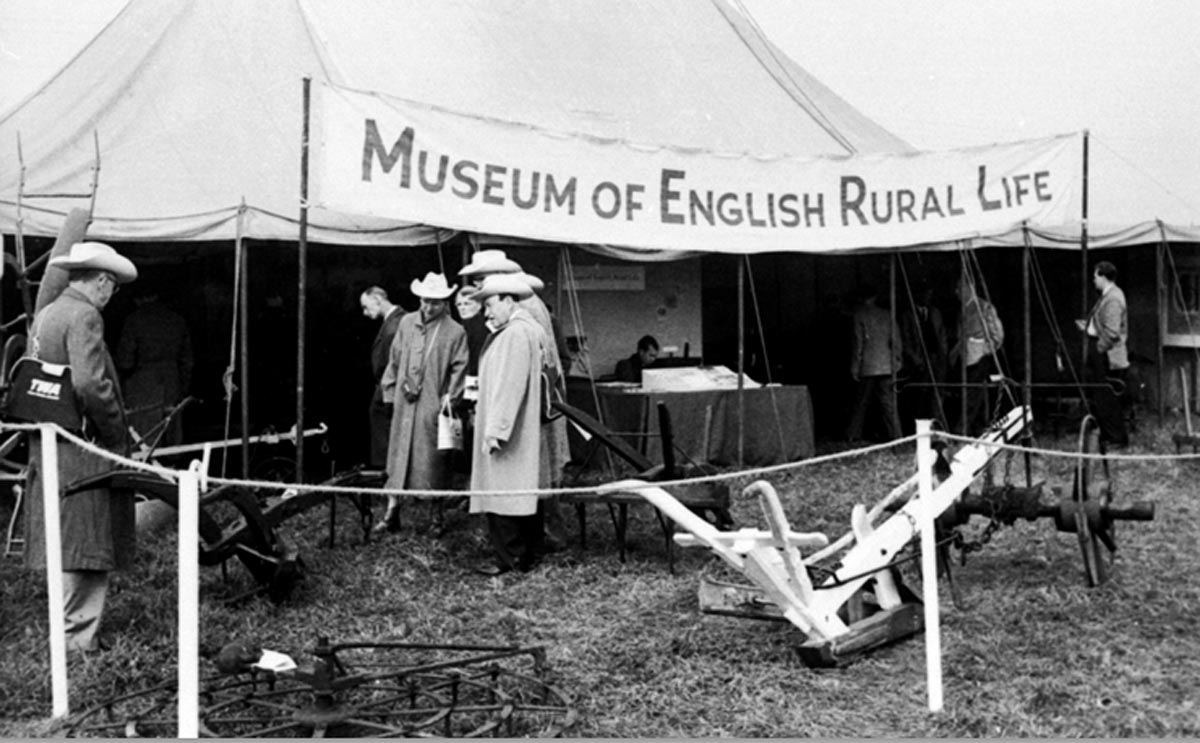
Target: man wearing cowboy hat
(426,366)
(508,430)
(97,525)
(556,449)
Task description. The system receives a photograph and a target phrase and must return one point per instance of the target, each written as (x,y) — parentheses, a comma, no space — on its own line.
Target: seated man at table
(630,369)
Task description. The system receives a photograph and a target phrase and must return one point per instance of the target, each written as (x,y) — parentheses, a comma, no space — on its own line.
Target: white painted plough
(857,605)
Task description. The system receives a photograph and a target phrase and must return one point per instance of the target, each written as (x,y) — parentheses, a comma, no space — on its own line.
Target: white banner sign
(380,156)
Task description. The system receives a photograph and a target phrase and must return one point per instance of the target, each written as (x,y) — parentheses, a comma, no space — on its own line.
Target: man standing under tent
(555,446)
(982,335)
(923,336)
(376,306)
(508,428)
(98,532)
(1108,358)
(427,364)
(874,359)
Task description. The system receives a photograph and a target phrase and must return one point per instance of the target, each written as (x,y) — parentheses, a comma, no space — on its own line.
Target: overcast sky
(938,73)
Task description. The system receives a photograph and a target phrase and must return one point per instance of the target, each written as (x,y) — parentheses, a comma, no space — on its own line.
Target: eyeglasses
(112,280)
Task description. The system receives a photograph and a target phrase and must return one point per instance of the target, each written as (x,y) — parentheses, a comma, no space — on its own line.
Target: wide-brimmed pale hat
(504,283)
(97,256)
(490,261)
(433,286)
(534,282)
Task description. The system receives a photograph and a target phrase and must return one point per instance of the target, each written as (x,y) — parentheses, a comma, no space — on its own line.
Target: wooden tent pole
(301,280)
(244,332)
(741,307)
(1160,309)
(1083,253)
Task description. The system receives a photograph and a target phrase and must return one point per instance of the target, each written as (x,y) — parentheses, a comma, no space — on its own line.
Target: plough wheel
(1090,495)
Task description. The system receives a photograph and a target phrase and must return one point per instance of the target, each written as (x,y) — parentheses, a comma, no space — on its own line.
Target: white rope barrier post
(59,704)
(933,637)
(189,603)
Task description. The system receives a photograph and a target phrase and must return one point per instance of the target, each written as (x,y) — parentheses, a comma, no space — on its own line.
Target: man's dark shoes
(389,523)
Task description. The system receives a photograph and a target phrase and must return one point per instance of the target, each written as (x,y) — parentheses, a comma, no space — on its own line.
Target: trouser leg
(862,398)
(886,391)
(516,540)
(84,593)
(1106,403)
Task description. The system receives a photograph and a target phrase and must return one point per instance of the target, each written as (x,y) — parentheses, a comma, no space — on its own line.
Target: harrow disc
(1097,534)
(356,691)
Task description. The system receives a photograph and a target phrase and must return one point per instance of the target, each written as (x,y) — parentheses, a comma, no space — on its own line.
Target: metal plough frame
(831,612)
(360,689)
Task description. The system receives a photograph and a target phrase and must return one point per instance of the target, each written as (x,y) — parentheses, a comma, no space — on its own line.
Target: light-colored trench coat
(435,354)
(509,409)
(556,448)
(97,525)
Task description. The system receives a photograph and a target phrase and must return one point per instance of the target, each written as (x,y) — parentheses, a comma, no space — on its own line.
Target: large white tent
(197,104)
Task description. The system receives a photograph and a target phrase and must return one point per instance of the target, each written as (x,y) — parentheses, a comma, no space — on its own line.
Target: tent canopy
(197,104)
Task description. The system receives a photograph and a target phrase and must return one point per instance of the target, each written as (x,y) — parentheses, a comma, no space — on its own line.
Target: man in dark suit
(1108,358)
(630,369)
(376,306)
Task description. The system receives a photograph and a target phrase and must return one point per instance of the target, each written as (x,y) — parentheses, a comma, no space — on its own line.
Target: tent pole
(244,349)
(1026,261)
(1026,267)
(892,339)
(741,304)
(302,276)
(1083,253)
(1160,309)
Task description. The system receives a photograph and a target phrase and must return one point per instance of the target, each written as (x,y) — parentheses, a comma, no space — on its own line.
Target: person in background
(98,525)
(426,367)
(874,359)
(1108,357)
(376,306)
(924,345)
(155,358)
(508,428)
(470,316)
(982,337)
(630,369)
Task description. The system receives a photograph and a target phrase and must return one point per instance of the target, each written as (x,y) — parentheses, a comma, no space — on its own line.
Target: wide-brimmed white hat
(504,283)
(490,261)
(97,256)
(433,286)
(534,282)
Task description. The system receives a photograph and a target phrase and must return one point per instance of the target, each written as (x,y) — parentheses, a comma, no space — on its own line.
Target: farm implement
(848,596)
(353,690)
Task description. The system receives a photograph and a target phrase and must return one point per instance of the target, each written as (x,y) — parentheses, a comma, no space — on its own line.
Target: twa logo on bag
(45,390)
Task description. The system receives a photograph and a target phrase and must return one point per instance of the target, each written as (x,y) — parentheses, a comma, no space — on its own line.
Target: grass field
(1033,653)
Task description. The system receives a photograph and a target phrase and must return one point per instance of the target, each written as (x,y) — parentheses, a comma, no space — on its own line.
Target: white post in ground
(933,636)
(189,603)
(59,704)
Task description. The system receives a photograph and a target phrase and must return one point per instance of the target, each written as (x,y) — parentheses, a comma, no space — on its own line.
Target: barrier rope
(207,482)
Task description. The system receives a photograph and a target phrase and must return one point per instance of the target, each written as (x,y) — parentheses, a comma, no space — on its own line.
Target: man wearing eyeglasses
(97,525)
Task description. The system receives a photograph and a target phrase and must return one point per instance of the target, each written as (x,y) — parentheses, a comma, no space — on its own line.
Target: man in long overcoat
(377,306)
(508,428)
(426,368)
(98,533)
(556,451)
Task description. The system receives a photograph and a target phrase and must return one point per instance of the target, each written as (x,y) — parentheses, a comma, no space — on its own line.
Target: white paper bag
(450,428)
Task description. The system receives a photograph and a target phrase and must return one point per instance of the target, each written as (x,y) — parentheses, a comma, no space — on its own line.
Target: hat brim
(510,284)
(421,291)
(114,263)
(506,265)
